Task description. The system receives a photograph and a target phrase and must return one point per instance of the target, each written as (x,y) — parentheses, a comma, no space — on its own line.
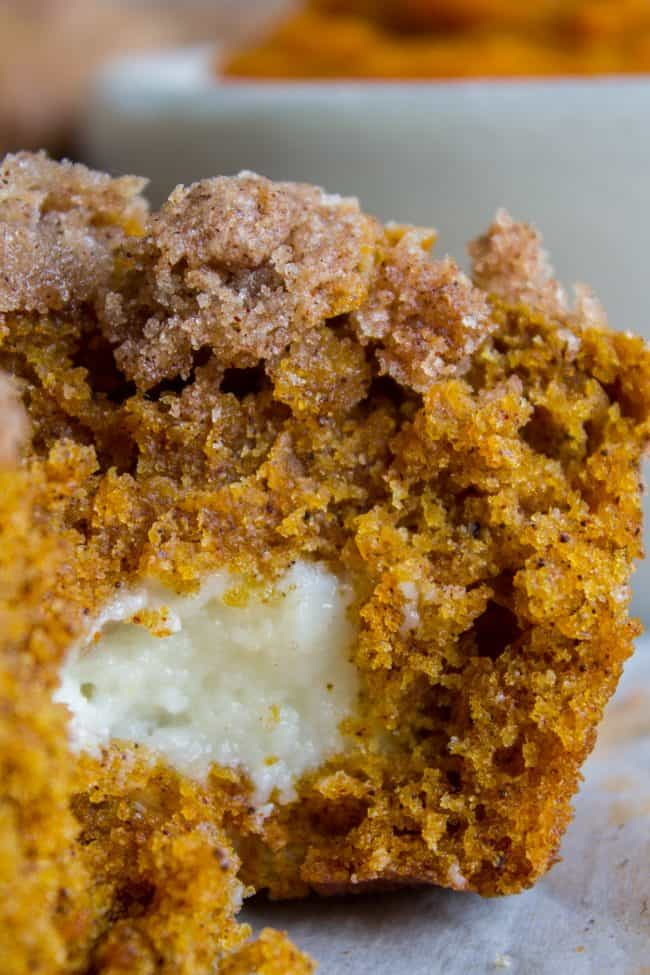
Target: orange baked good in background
(448,14)
(424,39)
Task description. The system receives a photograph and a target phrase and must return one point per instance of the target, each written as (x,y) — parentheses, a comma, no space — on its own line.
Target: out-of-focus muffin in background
(428,39)
(50,51)
(471,14)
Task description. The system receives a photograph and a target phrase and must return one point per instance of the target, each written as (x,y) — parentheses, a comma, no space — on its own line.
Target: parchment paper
(589,916)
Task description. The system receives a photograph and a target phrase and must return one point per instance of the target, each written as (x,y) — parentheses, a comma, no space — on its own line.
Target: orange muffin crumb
(427,39)
(260,373)
(271,954)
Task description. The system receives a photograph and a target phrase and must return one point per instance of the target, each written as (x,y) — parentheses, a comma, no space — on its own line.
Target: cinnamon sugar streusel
(258,376)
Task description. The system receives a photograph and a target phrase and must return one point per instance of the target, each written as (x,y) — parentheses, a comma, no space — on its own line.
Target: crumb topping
(425,314)
(510,263)
(58,231)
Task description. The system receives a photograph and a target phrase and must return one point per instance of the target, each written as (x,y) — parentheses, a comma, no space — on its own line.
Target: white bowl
(572,156)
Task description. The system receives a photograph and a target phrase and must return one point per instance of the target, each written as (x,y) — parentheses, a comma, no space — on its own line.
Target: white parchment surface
(589,916)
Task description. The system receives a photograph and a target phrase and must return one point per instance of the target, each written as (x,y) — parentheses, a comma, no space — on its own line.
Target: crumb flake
(510,263)
(60,225)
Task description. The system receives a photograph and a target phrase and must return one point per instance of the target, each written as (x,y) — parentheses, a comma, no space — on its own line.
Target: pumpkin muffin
(593,16)
(320,547)
(445,39)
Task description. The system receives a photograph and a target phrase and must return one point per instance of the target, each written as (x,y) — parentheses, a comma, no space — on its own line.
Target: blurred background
(51,51)
(435,112)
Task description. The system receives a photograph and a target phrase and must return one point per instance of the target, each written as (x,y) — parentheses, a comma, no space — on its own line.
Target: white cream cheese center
(263,686)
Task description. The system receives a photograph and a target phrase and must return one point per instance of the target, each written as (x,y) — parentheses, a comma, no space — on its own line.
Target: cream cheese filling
(259,680)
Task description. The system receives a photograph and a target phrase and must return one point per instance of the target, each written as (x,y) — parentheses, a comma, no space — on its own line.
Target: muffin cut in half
(324,547)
